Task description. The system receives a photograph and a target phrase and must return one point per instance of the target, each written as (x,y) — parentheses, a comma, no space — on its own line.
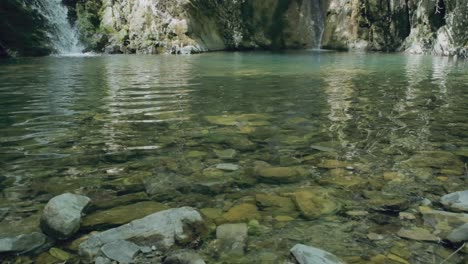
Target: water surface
(110,126)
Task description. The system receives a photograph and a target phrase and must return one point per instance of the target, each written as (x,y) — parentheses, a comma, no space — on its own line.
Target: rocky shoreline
(181,235)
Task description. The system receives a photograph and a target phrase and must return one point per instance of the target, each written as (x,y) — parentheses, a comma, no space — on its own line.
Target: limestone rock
(121,251)
(312,255)
(62,215)
(22,243)
(162,228)
(457,201)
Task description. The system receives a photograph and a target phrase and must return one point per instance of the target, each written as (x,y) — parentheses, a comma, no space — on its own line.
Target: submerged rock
(278,205)
(184,257)
(226,153)
(22,243)
(314,202)
(416,233)
(447,225)
(312,255)
(457,201)
(122,214)
(162,228)
(231,238)
(121,251)
(227,167)
(280,174)
(62,215)
(241,213)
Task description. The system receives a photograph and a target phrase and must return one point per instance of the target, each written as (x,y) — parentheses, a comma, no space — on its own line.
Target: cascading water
(319,21)
(63,36)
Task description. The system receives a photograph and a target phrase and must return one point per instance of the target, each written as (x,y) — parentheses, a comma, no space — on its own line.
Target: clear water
(102,126)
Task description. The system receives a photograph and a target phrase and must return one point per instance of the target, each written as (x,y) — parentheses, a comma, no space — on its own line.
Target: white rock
(121,251)
(311,255)
(165,226)
(457,201)
(62,215)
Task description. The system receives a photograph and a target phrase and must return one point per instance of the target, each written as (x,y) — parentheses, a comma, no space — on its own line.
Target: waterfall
(319,18)
(63,36)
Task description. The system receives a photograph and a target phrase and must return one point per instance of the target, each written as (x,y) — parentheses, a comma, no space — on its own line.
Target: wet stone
(162,228)
(227,167)
(279,174)
(184,257)
(312,255)
(22,243)
(417,233)
(121,214)
(60,254)
(226,153)
(241,213)
(457,201)
(62,215)
(315,202)
(232,238)
(121,251)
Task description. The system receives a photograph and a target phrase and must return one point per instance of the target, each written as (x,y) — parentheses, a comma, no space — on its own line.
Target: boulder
(312,255)
(62,215)
(163,229)
(457,201)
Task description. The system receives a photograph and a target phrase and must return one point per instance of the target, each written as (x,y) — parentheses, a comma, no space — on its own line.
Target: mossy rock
(315,202)
(280,174)
(275,204)
(121,215)
(241,213)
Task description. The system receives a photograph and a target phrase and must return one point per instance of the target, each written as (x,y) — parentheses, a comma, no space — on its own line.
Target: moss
(88,21)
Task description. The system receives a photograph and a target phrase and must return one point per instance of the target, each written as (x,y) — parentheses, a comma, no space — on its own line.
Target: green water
(113,126)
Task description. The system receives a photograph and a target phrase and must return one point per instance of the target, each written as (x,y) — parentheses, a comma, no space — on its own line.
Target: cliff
(191,26)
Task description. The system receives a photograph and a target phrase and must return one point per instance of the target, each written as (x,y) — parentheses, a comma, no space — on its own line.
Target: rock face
(162,228)
(311,255)
(183,26)
(62,215)
(190,26)
(427,26)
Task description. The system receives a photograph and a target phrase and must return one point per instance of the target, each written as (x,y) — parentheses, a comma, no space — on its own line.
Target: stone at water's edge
(162,228)
(22,243)
(121,251)
(62,215)
(311,255)
(457,201)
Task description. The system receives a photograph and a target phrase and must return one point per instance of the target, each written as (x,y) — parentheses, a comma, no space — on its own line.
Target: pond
(334,150)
